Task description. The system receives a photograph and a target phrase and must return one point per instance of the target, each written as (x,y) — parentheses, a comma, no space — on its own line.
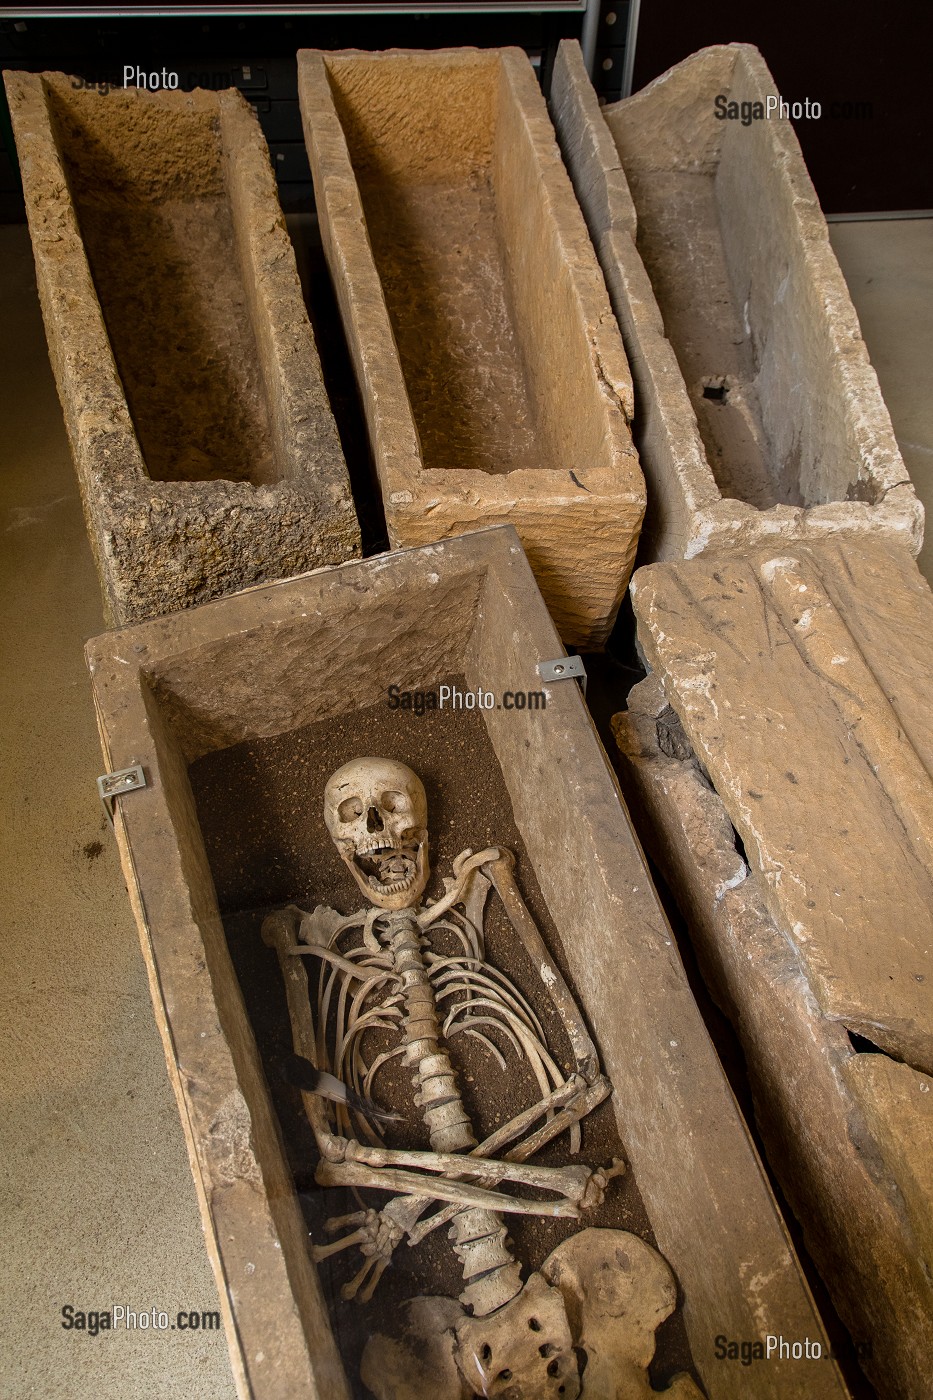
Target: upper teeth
(373,843)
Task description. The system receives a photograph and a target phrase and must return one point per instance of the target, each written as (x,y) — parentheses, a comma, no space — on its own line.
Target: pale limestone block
(812,745)
(802,681)
(493,375)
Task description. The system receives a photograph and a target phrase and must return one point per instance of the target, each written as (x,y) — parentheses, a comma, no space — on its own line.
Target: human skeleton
(384,968)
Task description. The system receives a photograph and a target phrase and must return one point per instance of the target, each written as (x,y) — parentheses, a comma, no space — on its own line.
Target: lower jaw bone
(390,873)
(382,888)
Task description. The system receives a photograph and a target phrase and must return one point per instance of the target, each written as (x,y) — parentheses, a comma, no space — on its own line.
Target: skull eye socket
(394,801)
(349,809)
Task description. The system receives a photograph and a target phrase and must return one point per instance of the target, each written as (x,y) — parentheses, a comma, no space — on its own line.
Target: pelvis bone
(601,1293)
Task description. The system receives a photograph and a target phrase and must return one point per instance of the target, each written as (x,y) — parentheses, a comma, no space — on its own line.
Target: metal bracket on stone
(110,786)
(564,668)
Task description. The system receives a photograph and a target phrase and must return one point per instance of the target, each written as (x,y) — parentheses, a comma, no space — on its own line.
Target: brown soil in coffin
(148,187)
(260,809)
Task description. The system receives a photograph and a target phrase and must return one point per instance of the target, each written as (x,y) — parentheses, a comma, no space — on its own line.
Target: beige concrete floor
(888,265)
(96,1198)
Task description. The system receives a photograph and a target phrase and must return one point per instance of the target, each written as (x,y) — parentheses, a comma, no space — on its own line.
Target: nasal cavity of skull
(373,820)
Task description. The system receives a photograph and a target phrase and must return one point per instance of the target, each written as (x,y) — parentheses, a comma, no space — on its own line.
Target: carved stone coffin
(493,377)
(206,452)
(758,414)
(273,660)
(789,703)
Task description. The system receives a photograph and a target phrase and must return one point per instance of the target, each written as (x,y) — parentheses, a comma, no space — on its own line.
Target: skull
(377,814)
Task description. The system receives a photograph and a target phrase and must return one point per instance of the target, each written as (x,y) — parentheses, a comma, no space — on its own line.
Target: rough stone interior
(437,152)
(149,190)
(260,809)
(758,412)
(716,226)
(441,263)
(680,239)
(492,373)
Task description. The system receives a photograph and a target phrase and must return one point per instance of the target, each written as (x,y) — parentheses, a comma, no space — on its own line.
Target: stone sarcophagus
(296,769)
(206,451)
(779,757)
(758,414)
(493,377)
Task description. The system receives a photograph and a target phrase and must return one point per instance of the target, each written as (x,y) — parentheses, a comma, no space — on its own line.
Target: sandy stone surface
(778,758)
(205,448)
(896,1102)
(493,376)
(802,682)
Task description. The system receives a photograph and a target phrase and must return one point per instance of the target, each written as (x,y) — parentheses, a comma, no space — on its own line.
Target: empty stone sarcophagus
(758,413)
(237,712)
(493,377)
(779,757)
(206,451)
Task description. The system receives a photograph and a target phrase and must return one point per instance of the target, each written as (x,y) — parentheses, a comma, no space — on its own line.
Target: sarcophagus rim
(280,656)
(688,512)
(162,544)
(588,499)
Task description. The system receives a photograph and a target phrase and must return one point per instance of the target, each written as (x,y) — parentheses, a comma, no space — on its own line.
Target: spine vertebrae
(491,1276)
(435,1079)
